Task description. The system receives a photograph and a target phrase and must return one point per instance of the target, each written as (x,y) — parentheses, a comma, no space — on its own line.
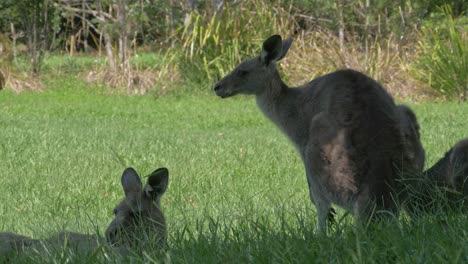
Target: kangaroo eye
(115,211)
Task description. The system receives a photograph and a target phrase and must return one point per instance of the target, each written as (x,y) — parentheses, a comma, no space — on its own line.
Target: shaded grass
(237,189)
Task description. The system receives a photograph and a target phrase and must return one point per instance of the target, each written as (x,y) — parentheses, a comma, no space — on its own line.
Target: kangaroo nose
(217,86)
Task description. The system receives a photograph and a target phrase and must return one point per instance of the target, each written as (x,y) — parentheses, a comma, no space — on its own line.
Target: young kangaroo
(445,184)
(139,218)
(344,126)
(452,170)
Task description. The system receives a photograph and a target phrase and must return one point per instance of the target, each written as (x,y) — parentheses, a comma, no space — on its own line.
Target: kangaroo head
(139,218)
(253,76)
(409,128)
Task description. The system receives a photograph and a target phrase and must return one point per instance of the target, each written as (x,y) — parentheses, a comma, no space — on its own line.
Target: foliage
(361,19)
(36,19)
(443,55)
(432,7)
(8,14)
(204,41)
(317,53)
(214,45)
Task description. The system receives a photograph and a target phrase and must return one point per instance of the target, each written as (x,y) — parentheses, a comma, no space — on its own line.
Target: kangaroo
(140,208)
(344,125)
(11,243)
(139,218)
(445,182)
(413,156)
(452,169)
(414,151)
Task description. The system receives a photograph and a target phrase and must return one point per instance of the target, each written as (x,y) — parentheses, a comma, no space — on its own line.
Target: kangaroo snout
(217,86)
(219,92)
(222,91)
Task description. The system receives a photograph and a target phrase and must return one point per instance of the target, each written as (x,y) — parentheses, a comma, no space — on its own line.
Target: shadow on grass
(286,235)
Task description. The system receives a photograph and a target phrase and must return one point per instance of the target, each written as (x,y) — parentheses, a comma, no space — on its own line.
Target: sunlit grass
(237,190)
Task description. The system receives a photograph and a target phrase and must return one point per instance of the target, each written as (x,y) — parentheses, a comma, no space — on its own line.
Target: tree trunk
(109,51)
(34,19)
(33,45)
(44,28)
(172,24)
(14,37)
(107,39)
(123,36)
(341,25)
(85,28)
(72,37)
(123,43)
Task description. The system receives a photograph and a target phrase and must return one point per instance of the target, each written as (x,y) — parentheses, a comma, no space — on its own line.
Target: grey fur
(442,186)
(11,244)
(452,170)
(140,212)
(344,125)
(414,151)
(138,218)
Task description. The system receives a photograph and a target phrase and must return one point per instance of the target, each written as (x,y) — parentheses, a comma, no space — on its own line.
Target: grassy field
(237,189)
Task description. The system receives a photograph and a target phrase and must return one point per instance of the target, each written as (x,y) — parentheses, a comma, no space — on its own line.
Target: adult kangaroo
(344,125)
(415,154)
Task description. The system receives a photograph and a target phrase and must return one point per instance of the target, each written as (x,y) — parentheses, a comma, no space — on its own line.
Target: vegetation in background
(237,192)
(203,39)
(316,53)
(32,22)
(442,61)
(214,45)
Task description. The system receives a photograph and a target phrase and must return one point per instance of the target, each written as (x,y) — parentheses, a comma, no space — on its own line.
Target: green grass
(237,190)
(61,64)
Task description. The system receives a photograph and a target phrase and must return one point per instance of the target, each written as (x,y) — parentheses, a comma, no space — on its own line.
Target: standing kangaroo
(138,218)
(344,126)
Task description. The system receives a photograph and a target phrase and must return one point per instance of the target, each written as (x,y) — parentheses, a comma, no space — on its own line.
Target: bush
(215,45)
(443,55)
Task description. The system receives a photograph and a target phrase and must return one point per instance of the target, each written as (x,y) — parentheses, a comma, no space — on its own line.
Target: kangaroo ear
(130,181)
(274,49)
(286,45)
(157,183)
